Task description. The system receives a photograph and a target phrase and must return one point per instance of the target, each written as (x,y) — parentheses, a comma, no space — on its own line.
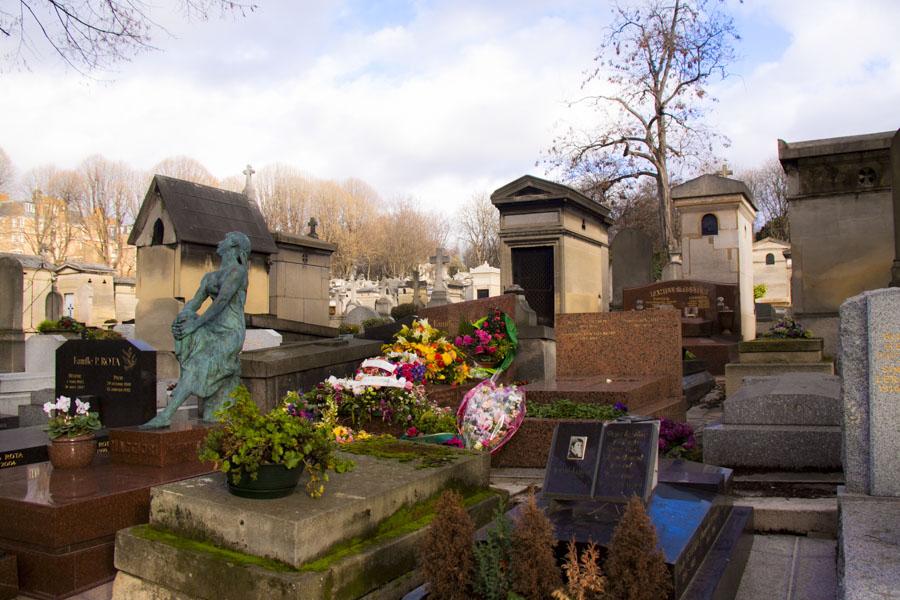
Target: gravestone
(439,289)
(53,304)
(12,339)
(360,314)
(608,462)
(870,365)
(628,461)
(570,474)
(119,374)
(631,254)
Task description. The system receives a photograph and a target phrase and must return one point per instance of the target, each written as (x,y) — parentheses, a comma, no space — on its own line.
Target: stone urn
(72,453)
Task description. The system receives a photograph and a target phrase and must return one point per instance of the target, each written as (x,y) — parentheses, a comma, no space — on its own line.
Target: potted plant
(72,442)
(264,455)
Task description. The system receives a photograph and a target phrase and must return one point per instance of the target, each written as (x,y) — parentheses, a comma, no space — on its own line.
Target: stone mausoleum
(842,228)
(555,245)
(717,216)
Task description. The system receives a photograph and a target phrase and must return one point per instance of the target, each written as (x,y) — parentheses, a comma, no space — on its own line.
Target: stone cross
(312,228)
(249,189)
(439,260)
(725,171)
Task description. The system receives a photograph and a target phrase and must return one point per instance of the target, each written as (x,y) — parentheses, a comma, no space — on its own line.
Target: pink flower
(412,432)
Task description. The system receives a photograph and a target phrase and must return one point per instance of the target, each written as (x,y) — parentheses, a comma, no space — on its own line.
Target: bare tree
(479,223)
(51,228)
(653,70)
(107,205)
(186,168)
(7,173)
(91,34)
(768,184)
(407,236)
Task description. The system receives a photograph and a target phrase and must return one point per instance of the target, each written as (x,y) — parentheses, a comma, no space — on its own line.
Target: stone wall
(448,316)
(632,343)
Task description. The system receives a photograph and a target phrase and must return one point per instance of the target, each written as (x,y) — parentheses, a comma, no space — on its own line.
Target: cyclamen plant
(676,440)
(62,424)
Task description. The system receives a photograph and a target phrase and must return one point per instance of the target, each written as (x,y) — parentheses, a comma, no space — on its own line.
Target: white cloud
(456,99)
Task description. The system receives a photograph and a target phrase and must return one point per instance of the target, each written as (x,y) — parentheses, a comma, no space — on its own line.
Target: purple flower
(620,407)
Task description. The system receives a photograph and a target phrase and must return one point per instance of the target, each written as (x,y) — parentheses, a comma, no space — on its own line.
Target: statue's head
(238,243)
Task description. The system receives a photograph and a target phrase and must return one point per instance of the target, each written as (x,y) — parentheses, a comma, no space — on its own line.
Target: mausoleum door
(532,268)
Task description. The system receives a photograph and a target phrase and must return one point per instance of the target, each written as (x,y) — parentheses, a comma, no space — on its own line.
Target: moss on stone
(388,447)
(406,520)
(156,534)
(781,345)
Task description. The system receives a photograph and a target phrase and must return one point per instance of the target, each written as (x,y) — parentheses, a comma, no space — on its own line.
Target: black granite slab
(628,457)
(120,375)
(572,464)
(695,474)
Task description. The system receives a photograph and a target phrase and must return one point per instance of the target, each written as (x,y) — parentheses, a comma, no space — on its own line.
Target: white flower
(82,408)
(63,403)
(49,407)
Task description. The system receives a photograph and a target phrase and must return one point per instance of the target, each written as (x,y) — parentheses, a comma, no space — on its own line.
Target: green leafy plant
(95,333)
(345,328)
(64,423)
(566,409)
(759,290)
(247,439)
(492,559)
(63,324)
(375,322)
(403,310)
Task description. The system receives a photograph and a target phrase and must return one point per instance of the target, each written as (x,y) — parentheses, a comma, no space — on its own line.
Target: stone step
(779,357)
(798,516)
(25,382)
(787,567)
(10,403)
(736,372)
(297,528)
(155,564)
(792,447)
(789,399)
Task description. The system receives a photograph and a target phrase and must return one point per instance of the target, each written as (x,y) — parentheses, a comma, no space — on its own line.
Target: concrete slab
(298,528)
(25,382)
(783,567)
(736,372)
(798,516)
(869,547)
(788,399)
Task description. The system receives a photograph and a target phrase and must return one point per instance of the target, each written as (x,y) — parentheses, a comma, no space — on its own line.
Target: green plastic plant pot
(272,481)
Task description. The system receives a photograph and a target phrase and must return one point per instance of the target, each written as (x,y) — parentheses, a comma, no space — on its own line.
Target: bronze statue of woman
(208,345)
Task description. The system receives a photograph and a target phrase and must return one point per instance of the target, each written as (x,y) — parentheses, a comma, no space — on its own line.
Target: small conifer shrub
(635,567)
(447,549)
(535,574)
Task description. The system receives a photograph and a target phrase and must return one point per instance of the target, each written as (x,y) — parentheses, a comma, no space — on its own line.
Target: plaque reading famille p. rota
(119,374)
(572,464)
(627,465)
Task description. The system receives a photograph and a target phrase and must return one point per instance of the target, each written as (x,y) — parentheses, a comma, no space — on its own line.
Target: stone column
(12,338)
(895,194)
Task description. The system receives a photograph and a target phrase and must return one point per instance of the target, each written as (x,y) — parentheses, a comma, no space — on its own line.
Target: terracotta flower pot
(72,453)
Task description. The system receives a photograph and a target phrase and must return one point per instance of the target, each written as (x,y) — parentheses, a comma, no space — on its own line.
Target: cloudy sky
(434,99)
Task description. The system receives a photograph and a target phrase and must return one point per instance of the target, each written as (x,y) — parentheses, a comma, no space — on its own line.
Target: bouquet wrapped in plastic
(490,414)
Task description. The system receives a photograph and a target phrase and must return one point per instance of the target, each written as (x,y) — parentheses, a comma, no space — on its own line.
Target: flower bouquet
(372,397)
(787,327)
(444,362)
(490,414)
(491,342)
(676,440)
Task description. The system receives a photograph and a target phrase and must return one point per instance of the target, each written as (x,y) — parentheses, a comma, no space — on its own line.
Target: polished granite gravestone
(702,539)
(572,464)
(9,579)
(119,374)
(176,444)
(61,524)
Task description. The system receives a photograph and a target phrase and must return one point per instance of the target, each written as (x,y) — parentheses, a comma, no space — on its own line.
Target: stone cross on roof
(725,171)
(312,228)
